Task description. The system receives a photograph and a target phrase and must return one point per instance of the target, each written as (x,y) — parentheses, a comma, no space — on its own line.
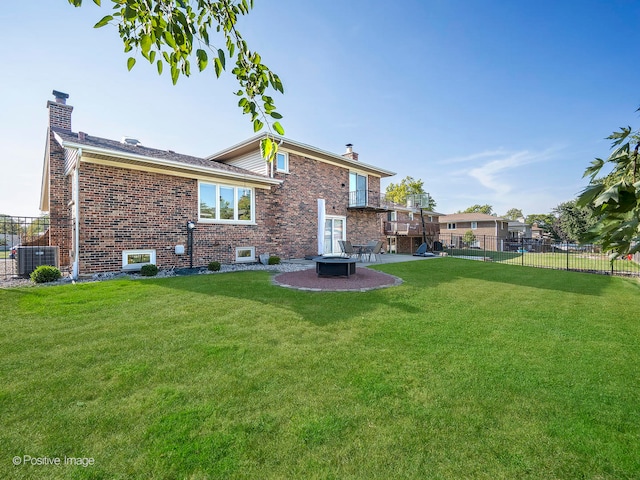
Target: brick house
(490,232)
(115,205)
(405,230)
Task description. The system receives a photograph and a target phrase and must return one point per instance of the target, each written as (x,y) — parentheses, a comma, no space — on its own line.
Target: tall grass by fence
(540,253)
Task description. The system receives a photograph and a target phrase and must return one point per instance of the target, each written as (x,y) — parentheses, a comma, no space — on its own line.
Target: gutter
(76,206)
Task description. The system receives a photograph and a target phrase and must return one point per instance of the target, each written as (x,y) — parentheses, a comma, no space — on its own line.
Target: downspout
(76,206)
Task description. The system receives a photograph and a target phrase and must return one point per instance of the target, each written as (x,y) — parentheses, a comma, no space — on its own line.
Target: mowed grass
(467,370)
(576,261)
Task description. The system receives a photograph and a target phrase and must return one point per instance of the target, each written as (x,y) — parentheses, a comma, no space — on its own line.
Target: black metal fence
(24,245)
(537,252)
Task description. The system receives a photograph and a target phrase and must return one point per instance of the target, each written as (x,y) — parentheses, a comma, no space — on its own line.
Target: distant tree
(615,198)
(513,214)
(177,33)
(9,226)
(38,226)
(572,221)
(397,193)
(469,237)
(486,209)
(545,221)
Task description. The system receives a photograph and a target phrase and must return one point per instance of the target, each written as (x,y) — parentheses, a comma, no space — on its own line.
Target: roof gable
(253,144)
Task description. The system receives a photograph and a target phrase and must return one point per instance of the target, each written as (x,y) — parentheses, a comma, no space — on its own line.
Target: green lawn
(580,261)
(467,370)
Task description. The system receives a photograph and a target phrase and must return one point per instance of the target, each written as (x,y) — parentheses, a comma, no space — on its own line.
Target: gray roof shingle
(116,146)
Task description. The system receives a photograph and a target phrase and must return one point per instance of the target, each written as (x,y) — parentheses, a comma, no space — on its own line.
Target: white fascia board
(87,149)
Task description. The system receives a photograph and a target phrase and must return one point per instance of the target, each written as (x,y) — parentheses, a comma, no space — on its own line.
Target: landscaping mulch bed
(363,280)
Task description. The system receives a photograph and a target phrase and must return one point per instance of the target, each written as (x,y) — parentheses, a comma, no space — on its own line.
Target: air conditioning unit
(30,258)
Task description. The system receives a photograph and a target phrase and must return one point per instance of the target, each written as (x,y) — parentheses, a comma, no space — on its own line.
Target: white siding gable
(252,161)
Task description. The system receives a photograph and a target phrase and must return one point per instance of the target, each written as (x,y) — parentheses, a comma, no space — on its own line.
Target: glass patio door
(357,190)
(334,230)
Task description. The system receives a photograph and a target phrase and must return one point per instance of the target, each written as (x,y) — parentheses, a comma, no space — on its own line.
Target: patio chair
(375,251)
(347,249)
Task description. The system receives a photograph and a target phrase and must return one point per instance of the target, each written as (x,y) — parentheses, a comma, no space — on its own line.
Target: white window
(135,259)
(225,203)
(282,162)
(474,225)
(245,254)
(451,226)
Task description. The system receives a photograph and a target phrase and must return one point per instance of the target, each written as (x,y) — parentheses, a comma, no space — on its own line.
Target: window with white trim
(451,226)
(474,225)
(225,203)
(245,254)
(282,162)
(135,259)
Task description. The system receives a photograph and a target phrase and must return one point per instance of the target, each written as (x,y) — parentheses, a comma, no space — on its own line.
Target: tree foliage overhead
(177,33)
(397,193)
(513,214)
(486,209)
(615,198)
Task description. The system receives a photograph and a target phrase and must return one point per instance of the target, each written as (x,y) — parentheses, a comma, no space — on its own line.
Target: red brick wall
(59,115)
(127,209)
(292,224)
(60,230)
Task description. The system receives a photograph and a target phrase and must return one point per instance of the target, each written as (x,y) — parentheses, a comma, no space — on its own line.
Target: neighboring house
(405,230)
(538,232)
(490,232)
(519,229)
(115,205)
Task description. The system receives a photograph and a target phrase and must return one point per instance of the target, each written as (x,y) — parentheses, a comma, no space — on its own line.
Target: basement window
(245,254)
(133,260)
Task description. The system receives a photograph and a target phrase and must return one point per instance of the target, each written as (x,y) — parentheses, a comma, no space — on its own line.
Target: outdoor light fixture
(190,228)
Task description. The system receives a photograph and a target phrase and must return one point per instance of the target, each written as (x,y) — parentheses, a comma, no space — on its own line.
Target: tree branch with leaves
(615,198)
(175,33)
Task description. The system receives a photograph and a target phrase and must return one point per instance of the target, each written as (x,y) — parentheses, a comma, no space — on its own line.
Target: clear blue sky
(489,102)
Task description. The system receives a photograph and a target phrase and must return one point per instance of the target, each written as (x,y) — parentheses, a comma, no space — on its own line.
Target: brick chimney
(350,153)
(59,111)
